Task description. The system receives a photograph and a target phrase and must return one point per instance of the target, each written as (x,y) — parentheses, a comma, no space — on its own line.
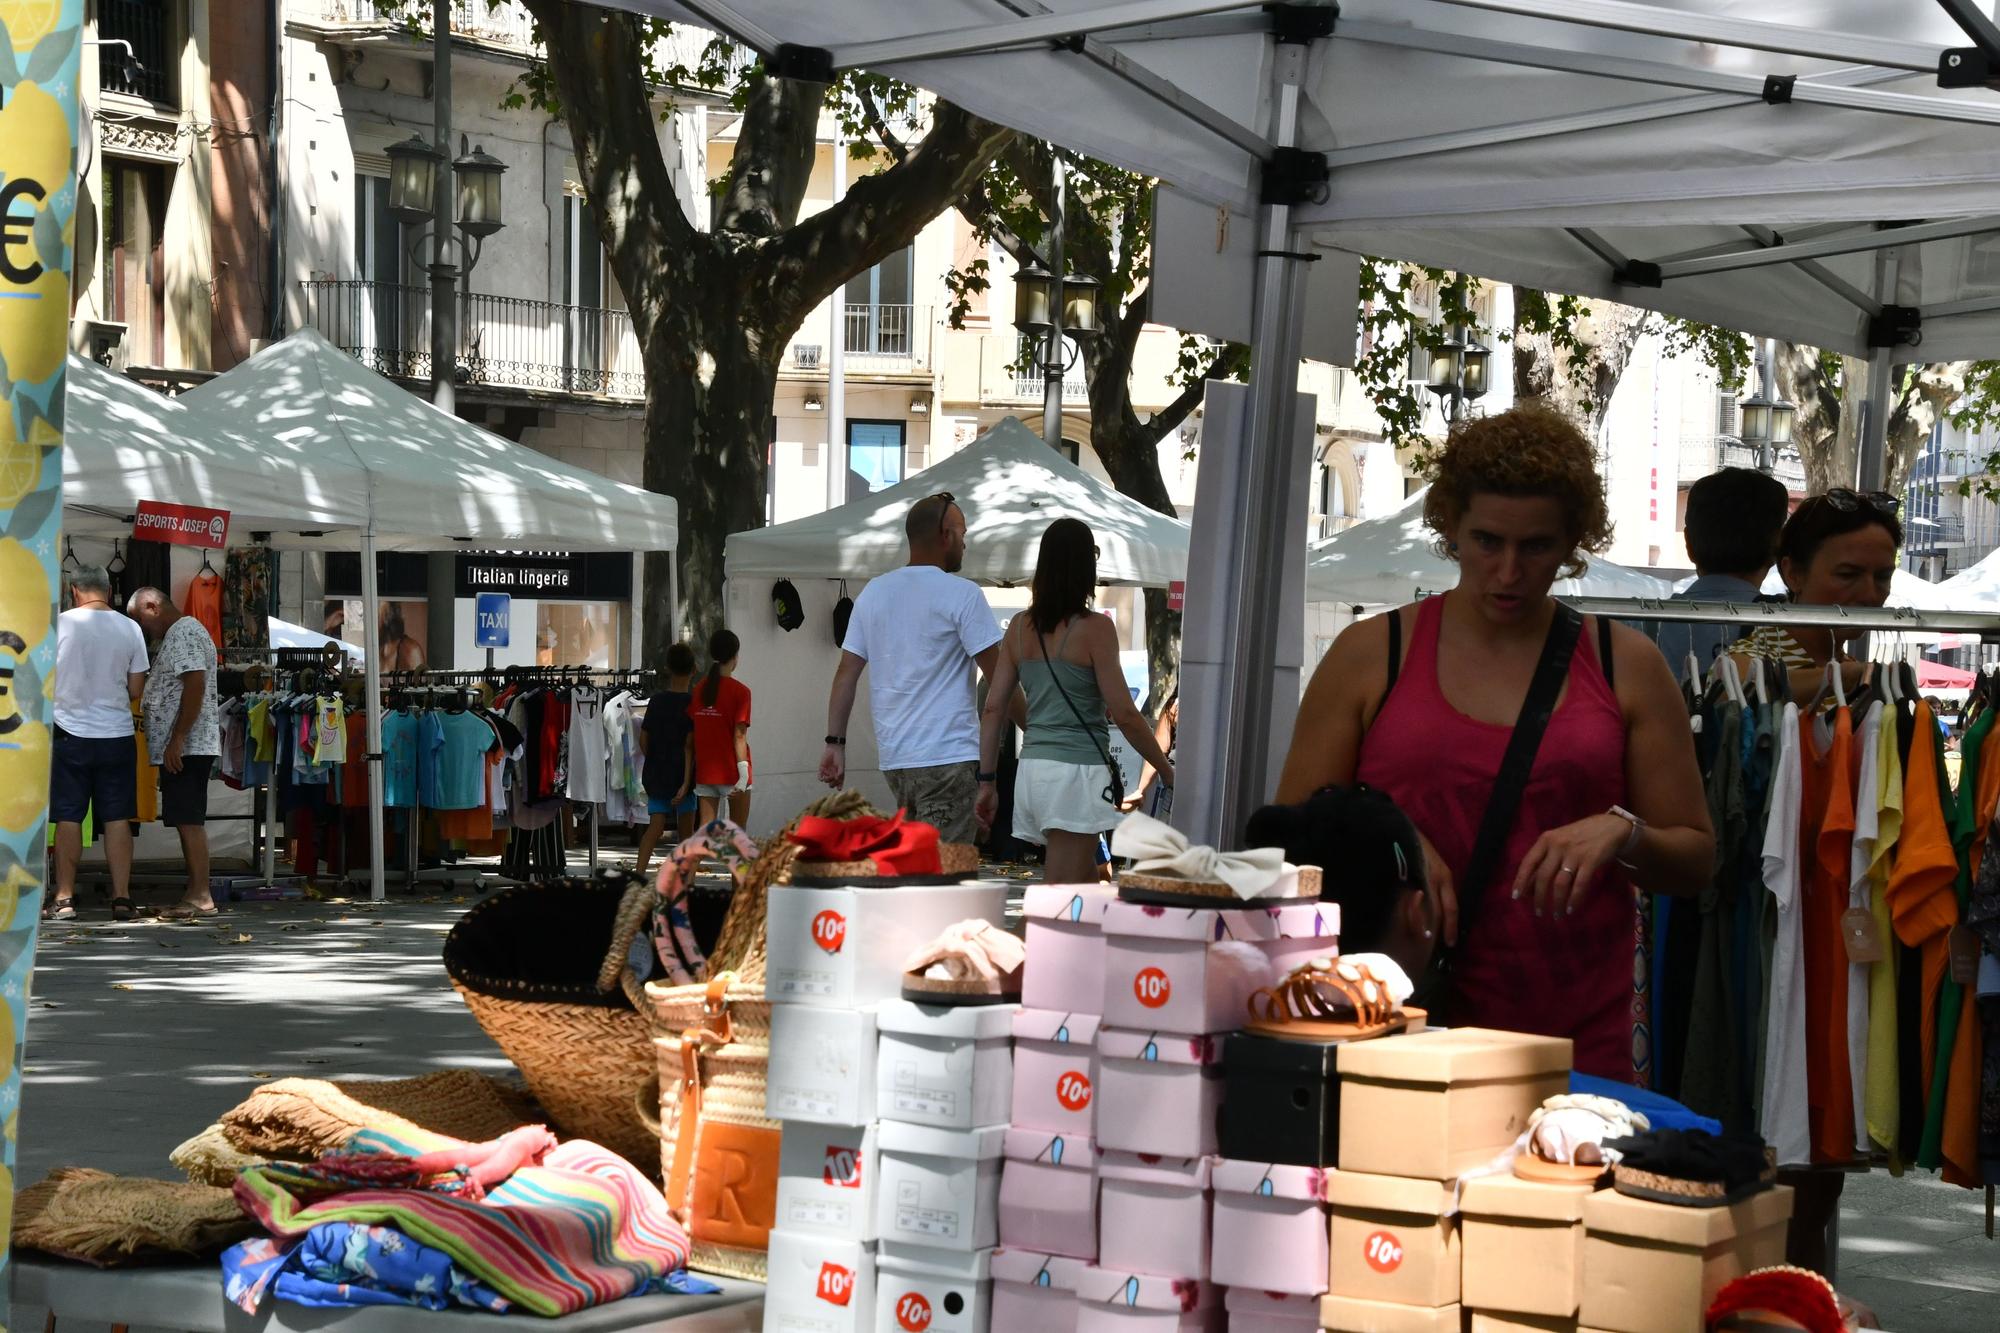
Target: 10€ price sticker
(1152,988)
(913,1313)
(1073,1090)
(836,1284)
(829,931)
(1383,1251)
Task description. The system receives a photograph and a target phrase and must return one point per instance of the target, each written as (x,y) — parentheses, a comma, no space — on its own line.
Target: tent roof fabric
(1535,143)
(125,443)
(1011,486)
(1391,560)
(425,479)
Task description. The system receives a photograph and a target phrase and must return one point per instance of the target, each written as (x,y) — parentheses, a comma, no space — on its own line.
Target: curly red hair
(1528,450)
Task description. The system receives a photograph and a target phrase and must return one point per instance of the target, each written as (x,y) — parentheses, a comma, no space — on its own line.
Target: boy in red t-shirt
(718,746)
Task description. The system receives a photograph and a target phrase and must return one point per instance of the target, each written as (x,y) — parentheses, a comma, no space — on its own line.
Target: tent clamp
(1778,88)
(1896,326)
(1302,25)
(809,64)
(1964,67)
(1294,176)
(1637,273)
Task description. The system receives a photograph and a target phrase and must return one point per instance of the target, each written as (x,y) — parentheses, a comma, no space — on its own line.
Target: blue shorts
(664,805)
(90,771)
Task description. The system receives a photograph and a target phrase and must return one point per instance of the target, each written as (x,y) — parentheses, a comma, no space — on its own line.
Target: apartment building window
(151,28)
(583,289)
(1725,413)
(382,313)
(878,307)
(874,455)
(135,279)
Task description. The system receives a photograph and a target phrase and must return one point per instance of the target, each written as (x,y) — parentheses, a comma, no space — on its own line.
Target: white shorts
(718,791)
(1051,794)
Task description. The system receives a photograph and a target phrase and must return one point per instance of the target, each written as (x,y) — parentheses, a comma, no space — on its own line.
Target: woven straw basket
(527,962)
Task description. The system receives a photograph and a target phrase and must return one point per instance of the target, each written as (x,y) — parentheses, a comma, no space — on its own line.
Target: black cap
(842,610)
(785,602)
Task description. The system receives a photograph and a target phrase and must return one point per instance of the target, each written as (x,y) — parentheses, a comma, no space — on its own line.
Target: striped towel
(582,1228)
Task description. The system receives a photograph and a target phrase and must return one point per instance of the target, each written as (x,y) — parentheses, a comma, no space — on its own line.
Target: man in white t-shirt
(100,670)
(919,631)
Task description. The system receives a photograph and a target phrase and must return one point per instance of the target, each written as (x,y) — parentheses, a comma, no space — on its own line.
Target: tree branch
(872,113)
(881,213)
(774,156)
(1169,418)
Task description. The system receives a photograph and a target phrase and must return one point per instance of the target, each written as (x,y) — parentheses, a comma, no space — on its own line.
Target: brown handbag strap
(716,1030)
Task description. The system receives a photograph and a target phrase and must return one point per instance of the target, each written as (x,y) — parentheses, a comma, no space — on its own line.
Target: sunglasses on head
(944,512)
(1849,501)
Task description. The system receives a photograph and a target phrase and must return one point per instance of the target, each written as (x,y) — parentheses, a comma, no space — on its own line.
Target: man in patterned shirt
(183,736)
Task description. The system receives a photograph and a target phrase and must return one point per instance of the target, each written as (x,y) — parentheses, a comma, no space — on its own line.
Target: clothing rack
(1985,625)
(293,669)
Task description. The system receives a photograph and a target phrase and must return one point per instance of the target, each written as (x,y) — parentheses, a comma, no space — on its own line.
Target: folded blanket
(372,1162)
(340,1265)
(302,1118)
(582,1228)
(115,1221)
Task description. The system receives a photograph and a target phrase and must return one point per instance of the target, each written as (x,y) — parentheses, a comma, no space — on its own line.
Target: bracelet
(836,740)
(1624,853)
(987,777)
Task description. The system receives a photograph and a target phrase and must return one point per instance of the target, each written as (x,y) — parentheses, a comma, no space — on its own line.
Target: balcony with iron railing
(880,340)
(507,25)
(1702,455)
(147,26)
(1010,370)
(505,342)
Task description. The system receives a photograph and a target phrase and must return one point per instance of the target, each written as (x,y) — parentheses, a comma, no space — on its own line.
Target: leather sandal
(1329,1000)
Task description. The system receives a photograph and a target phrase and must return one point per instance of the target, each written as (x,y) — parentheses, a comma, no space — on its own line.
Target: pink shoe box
(1110,1300)
(948,1066)
(1158,1092)
(818,1284)
(1034,1293)
(1190,969)
(1269,1228)
(1055,1071)
(1252,1311)
(1048,1194)
(922,1290)
(1153,1214)
(1065,970)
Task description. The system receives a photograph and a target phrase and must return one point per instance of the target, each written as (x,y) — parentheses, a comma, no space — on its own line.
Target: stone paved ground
(139,1035)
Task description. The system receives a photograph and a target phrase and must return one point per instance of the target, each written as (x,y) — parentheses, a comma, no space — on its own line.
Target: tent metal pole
(1035,31)
(1873,462)
(371,640)
(1751,34)
(1241,766)
(1882,238)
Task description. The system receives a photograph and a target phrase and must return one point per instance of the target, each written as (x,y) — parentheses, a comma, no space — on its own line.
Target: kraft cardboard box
(922,1290)
(1344,1314)
(1654,1267)
(827,1180)
(819,1284)
(846,947)
(822,1065)
(1392,1239)
(947,1066)
(1434,1105)
(1489,1321)
(1523,1244)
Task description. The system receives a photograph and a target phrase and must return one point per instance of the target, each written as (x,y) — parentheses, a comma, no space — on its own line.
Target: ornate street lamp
(1079,314)
(478,177)
(1034,297)
(413,166)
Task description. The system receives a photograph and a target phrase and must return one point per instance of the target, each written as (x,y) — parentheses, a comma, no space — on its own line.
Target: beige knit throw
(301,1118)
(116,1221)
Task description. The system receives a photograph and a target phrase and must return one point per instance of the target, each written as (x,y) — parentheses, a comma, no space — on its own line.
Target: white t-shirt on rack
(1783,1118)
(919,628)
(97,654)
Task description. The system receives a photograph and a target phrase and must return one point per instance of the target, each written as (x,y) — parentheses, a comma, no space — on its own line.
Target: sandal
(1335,999)
(62,909)
(122,909)
(1692,1168)
(188,912)
(971,962)
(1566,1135)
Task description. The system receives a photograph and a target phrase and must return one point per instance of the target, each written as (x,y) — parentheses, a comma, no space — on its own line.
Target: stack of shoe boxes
(836,956)
(1048,1189)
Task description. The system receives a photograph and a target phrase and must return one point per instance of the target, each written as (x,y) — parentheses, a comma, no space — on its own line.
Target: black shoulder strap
(1519,759)
(1604,650)
(1395,614)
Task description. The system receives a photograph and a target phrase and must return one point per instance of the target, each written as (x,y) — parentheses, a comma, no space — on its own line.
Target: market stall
(321,453)
(1011,485)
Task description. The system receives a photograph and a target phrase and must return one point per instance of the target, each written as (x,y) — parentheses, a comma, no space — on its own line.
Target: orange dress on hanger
(204,603)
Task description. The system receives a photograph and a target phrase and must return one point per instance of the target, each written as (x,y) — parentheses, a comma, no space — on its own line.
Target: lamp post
(1766,418)
(426,186)
(1047,308)
(1459,371)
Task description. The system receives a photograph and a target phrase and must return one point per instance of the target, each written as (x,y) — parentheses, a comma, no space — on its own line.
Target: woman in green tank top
(1065,657)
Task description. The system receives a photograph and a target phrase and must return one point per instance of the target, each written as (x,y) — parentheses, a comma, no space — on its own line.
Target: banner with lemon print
(41,44)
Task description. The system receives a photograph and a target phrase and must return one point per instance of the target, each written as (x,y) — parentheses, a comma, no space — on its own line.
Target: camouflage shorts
(941,796)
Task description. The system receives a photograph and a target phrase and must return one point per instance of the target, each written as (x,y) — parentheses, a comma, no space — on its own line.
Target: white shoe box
(947,1066)
(846,947)
(827,1180)
(922,1290)
(939,1188)
(818,1284)
(822,1065)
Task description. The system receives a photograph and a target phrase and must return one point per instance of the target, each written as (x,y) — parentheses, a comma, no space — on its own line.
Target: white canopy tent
(1751,172)
(342,459)
(1974,589)
(1393,559)
(1011,486)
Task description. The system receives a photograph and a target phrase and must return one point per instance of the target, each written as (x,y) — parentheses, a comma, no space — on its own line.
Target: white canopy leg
(1872,465)
(371,640)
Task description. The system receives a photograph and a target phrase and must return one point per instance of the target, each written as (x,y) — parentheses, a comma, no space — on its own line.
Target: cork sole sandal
(1530,1167)
(1328,1000)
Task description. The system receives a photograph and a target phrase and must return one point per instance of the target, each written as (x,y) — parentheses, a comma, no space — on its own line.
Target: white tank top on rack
(586,745)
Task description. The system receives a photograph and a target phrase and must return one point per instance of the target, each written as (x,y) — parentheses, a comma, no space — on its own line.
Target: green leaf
(45,66)
(10,71)
(49,247)
(28,516)
(27,689)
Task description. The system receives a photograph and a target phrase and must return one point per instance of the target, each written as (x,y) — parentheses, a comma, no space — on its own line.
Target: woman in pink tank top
(1614,794)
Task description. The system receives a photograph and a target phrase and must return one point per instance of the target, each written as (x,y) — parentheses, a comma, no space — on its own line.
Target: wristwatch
(1624,853)
(986,777)
(836,740)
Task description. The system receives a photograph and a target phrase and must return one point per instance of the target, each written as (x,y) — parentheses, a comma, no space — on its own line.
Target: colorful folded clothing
(301,1118)
(369,1162)
(341,1265)
(579,1229)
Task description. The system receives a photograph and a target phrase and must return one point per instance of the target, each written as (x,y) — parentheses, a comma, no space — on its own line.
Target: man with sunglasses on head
(919,631)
